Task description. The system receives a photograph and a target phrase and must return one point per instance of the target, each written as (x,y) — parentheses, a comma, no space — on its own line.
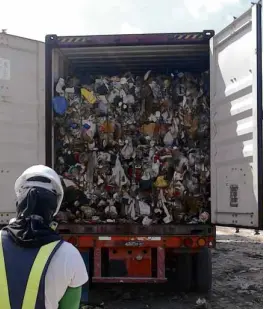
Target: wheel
(203,270)
(183,272)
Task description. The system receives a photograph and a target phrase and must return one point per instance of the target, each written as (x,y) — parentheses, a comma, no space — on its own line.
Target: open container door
(22,114)
(236,123)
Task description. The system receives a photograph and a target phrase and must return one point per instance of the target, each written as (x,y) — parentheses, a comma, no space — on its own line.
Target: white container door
(236,123)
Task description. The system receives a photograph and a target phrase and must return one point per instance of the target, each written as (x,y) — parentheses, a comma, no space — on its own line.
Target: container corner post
(208,34)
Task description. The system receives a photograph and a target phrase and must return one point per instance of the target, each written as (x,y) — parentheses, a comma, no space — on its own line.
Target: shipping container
(235,89)
(22,113)
(233,58)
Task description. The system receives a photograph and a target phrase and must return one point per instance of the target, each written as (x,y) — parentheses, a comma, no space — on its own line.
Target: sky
(34,19)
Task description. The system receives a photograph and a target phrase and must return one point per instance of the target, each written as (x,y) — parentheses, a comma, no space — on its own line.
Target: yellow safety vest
(32,288)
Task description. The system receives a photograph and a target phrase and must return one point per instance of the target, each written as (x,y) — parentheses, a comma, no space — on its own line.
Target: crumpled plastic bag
(148,129)
(89,127)
(114,96)
(152,151)
(168,139)
(155,168)
(144,208)
(101,86)
(204,217)
(130,209)
(171,134)
(118,176)
(128,150)
(162,204)
(107,126)
(103,104)
(60,105)
(111,211)
(155,90)
(147,221)
(88,95)
(60,87)
(88,211)
(161,182)
(92,159)
(182,164)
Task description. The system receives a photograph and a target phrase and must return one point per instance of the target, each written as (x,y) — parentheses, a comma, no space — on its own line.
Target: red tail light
(188,242)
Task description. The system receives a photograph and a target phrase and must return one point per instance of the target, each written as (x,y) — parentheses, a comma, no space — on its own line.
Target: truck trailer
(133,252)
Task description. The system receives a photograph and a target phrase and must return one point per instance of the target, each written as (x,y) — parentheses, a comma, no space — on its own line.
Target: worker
(38,270)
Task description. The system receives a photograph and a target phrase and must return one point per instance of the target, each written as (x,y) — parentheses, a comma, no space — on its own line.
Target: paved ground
(237,280)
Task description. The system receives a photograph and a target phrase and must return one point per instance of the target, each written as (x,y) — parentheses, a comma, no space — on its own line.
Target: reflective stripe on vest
(32,288)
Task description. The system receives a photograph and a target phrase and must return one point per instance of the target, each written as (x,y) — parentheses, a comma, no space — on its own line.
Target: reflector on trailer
(201,242)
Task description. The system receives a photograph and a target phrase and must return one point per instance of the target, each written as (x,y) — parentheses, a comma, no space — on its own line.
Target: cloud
(115,16)
(127,28)
(197,8)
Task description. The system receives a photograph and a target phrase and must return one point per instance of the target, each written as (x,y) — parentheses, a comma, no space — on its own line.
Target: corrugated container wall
(235,102)
(22,113)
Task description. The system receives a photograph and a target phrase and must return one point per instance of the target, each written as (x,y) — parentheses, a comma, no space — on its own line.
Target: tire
(203,271)
(183,274)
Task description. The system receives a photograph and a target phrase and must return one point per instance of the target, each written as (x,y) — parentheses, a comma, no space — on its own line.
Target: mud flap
(203,270)
(184,272)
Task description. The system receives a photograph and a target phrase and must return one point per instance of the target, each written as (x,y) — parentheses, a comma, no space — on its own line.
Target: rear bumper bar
(128,280)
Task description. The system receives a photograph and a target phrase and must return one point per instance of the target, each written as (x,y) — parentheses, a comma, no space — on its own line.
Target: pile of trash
(134,149)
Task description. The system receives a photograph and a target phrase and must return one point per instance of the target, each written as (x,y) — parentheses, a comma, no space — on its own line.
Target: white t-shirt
(66,269)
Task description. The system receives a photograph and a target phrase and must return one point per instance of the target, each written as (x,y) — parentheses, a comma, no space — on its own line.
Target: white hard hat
(40,171)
